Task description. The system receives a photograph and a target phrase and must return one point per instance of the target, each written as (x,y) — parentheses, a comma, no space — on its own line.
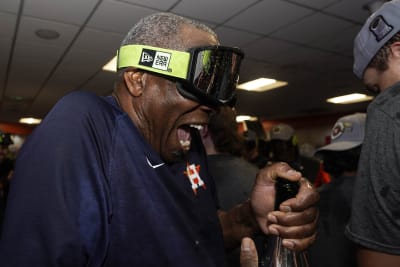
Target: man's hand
(296,220)
(248,253)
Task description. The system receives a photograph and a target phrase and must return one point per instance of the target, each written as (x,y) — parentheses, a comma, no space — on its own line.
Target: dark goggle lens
(215,73)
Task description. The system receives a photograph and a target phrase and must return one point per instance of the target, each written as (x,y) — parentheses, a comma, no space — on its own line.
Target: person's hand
(248,253)
(296,220)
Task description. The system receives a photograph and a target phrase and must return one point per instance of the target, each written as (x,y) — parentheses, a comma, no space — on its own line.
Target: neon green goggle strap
(155,59)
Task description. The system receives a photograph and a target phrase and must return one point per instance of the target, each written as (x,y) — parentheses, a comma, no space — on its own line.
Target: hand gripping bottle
(273,254)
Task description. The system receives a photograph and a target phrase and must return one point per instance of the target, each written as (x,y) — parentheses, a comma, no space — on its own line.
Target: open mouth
(185,134)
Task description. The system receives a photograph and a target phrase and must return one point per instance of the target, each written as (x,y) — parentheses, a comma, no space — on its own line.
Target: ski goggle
(207,74)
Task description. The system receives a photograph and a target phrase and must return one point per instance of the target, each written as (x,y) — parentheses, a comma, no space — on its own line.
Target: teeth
(185,144)
(197,126)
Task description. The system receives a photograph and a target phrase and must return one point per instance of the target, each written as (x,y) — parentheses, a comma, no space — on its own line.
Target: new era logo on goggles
(207,74)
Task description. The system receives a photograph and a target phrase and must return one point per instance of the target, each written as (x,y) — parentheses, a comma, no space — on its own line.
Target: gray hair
(162,30)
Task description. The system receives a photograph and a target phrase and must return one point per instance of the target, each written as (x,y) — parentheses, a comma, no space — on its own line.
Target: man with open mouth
(122,180)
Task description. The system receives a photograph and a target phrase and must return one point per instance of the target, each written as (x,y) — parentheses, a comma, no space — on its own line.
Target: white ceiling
(305,42)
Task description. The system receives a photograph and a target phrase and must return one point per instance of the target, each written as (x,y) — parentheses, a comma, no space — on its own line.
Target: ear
(134,82)
(395,49)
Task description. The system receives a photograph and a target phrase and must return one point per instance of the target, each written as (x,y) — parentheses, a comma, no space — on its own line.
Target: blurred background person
(233,175)
(340,159)
(283,146)
(255,148)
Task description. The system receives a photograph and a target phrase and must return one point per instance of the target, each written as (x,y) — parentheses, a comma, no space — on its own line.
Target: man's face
(371,80)
(168,120)
(377,80)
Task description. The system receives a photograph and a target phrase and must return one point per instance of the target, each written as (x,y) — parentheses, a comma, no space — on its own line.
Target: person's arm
(371,258)
(296,221)
(237,223)
(57,209)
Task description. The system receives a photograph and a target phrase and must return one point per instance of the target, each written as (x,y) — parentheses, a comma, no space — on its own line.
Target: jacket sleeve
(58,204)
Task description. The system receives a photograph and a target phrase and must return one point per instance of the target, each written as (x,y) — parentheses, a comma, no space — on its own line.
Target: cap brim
(339,146)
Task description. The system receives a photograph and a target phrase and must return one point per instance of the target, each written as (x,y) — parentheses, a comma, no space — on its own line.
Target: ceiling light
(349,99)
(30,120)
(261,85)
(111,65)
(47,34)
(242,118)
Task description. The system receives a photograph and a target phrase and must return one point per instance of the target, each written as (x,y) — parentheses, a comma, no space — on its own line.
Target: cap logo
(337,130)
(380,28)
(155,59)
(276,130)
(340,128)
(146,57)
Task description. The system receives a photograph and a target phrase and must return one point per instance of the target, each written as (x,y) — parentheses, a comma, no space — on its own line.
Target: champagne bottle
(273,253)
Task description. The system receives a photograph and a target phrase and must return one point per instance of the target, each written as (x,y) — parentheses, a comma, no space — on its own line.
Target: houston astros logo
(193,173)
(337,130)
